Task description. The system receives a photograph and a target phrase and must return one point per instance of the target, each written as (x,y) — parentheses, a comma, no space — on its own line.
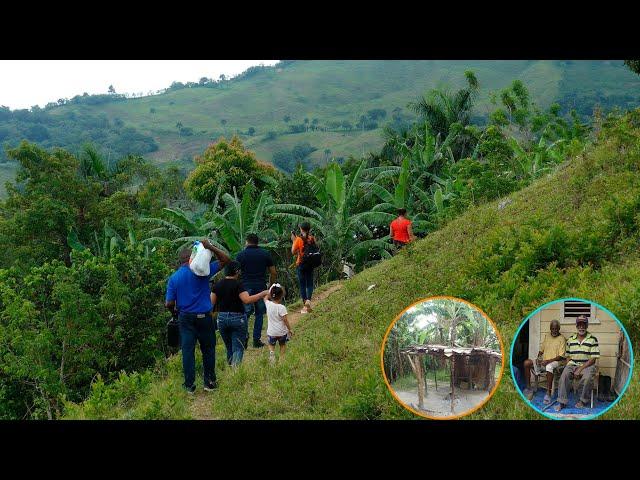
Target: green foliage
(61,325)
(633,65)
(507,260)
(344,232)
(287,160)
(228,164)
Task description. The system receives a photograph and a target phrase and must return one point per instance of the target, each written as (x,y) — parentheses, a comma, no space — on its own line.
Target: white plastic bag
(200,260)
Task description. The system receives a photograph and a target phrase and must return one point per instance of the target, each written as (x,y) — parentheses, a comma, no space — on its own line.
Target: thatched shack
(472,368)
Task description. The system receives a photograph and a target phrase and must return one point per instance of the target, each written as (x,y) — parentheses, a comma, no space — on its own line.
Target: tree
(251,131)
(441,110)
(112,90)
(179,125)
(229,164)
(37,216)
(286,118)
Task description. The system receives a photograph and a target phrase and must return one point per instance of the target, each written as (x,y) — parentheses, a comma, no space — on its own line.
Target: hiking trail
(200,407)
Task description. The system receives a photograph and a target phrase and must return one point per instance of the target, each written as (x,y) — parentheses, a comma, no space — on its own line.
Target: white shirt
(275,324)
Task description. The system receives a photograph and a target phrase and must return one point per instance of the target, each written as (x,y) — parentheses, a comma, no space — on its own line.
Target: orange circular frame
(451,417)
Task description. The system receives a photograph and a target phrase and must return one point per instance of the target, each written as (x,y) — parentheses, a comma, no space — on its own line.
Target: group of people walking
(242,292)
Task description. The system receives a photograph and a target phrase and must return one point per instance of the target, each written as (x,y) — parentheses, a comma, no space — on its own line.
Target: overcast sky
(24,83)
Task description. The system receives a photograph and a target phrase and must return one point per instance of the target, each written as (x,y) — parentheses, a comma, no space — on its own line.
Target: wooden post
(452,363)
(435,373)
(420,375)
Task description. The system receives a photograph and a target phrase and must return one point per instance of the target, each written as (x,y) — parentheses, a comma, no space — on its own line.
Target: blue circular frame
(525,322)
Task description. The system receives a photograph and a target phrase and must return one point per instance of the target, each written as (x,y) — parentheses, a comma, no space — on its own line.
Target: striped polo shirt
(579,353)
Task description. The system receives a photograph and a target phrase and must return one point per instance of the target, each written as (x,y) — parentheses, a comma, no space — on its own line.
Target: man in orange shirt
(400,229)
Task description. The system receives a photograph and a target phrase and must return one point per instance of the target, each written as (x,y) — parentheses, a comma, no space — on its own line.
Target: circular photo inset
(571,359)
(442,358)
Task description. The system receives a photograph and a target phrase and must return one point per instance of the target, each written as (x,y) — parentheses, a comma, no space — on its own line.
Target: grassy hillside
(575,233)
(328,91)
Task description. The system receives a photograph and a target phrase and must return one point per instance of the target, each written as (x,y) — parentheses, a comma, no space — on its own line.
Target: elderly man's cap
(582,319)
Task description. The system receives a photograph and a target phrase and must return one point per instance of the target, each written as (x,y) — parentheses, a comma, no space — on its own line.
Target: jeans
(258,308)
(197,327)
(305,280)
(233,329)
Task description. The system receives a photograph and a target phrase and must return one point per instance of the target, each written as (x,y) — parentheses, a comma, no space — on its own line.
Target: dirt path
(437,403)
(201,404)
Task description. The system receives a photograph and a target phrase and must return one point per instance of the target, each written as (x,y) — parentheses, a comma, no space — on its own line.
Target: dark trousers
(258,308)
(233,330)
(305,280)
(198,327)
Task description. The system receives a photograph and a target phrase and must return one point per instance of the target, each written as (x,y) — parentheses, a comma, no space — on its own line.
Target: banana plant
(110,243)
(178,227)
(244,216)
(344,234)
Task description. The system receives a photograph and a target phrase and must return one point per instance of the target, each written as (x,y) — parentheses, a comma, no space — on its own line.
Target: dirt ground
(437,402)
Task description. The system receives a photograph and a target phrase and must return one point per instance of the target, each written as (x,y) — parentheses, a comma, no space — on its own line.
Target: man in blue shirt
(254,262)
(189,297)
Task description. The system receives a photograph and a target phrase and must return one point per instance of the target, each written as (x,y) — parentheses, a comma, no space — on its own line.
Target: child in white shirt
(278,328)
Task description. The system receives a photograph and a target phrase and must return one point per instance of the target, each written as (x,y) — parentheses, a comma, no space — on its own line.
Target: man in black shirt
(254,262)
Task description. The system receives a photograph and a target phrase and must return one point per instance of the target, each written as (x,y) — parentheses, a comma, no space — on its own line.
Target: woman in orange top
(400,229)
(305,274)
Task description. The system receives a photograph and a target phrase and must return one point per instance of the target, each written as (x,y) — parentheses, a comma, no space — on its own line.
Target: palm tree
(442,109)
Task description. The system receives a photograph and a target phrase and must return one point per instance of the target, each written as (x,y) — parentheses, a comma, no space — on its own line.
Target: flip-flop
(558,407)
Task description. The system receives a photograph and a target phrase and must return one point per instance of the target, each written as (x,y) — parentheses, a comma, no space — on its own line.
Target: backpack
(311,255)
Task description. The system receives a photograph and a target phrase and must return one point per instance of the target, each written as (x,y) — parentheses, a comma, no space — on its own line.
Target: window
(573,308)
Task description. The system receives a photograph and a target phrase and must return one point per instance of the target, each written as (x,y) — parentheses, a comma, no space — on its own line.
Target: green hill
(328,91)
(574,233)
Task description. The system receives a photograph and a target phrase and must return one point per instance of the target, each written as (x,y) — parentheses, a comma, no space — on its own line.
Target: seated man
(582,352)
(552,351)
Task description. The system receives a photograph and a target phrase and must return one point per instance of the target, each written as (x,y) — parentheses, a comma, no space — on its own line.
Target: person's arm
(559,358)
(222,257)
(294,239)
(272,274)
(246,298)
(170,299)
(171,306)
(286,322)
(391,232)
(214,299)
(412,237)
(588,363)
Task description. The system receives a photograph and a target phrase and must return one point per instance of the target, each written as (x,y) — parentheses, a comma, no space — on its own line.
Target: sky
(24,83)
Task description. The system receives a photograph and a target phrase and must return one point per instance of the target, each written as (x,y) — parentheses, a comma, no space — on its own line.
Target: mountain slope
(329,91)
(575,233)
